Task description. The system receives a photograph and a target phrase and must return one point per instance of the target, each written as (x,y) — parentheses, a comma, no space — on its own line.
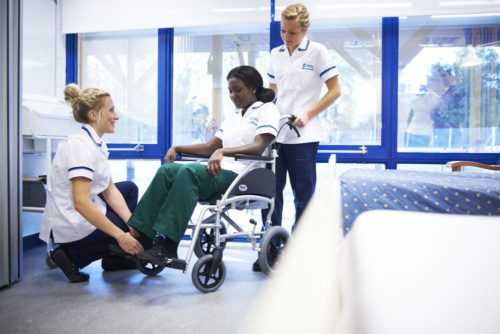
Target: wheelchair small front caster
(272,244)
(205,243)
(49,262)
(148,268)
(203,280)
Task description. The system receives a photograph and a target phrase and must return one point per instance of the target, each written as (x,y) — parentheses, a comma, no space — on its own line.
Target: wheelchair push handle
(290,118)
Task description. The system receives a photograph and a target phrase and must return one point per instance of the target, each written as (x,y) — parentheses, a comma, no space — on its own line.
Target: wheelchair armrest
(190,156)
(252,157)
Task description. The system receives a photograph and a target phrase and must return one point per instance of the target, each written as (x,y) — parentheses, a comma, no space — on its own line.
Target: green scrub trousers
(169,201)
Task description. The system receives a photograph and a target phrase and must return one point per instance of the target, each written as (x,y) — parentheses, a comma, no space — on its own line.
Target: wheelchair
(253,188)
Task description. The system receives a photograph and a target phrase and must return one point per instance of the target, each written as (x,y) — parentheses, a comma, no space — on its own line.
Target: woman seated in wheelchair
(164,210)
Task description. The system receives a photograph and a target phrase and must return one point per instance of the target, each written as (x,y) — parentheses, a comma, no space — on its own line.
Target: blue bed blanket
(445,192)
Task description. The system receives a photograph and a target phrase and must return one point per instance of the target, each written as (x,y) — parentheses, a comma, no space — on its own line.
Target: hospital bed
(471,193)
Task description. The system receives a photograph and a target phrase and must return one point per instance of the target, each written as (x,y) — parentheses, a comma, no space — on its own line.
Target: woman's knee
(128,189)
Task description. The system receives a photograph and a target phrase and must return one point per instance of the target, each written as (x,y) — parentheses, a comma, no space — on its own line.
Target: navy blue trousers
(95,246)
(299,161)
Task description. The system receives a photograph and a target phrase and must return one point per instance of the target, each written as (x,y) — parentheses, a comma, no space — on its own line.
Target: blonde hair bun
(71,93)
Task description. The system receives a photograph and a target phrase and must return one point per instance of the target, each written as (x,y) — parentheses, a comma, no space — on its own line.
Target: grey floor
(128,301)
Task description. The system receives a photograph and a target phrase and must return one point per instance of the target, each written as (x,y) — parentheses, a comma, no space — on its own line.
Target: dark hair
(252,79)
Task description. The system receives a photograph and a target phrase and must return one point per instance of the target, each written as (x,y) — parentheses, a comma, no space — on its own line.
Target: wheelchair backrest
(259,181)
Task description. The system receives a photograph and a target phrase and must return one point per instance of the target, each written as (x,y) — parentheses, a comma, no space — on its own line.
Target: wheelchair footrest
(175,263)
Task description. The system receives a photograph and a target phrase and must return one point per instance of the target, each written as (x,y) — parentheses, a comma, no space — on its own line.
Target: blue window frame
(386,153)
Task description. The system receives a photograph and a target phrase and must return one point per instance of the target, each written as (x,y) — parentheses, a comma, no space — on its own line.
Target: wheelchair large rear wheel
(202,279)
(148,268)
(205,243)
(272,244)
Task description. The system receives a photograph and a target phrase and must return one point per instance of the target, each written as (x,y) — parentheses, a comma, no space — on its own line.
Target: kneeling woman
(169,202)
(85,211)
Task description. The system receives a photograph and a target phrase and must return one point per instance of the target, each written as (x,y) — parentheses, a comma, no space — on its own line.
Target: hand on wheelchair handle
(291,124)
(301,120)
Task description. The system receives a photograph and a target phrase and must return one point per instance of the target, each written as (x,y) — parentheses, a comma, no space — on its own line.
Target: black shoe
(145,241)
(68,267)
(116,250)
(116,262)
(163,247)
(256,266)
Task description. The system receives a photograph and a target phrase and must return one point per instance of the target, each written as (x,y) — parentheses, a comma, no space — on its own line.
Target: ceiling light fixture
(234,10)
(365,5)
(468,3)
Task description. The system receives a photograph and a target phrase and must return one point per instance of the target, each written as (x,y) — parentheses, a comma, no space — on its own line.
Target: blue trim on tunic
(268,126)
(80,167)
(304,49)
(257,107)
(90,135)
(331,68)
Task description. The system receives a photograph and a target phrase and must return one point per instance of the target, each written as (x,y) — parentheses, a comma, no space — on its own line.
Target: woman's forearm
(94,216)
(327,100)
(115,200)
(84,206)
(259,145)
(200,149)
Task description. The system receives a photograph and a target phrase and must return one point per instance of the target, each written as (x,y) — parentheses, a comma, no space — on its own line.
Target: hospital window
(141,172)
(356,49)
(126,65)
(202,59)
(449,85)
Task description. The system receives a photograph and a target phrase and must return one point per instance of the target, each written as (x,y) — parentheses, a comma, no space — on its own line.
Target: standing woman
(297,72)
(85,211)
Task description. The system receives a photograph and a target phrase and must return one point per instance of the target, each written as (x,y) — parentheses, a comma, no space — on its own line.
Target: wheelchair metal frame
(240,202)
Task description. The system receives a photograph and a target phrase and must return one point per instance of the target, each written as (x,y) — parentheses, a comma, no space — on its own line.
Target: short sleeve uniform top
(83,154)
(299,78)
(238,129)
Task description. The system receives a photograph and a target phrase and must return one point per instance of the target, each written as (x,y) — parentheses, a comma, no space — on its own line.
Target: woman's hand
(170,156)
(214,165)
(302,119)
(129,244)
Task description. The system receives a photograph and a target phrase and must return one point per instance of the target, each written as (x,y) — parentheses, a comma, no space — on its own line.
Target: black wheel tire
(205,243)
(148,268)
(49,262)
(201,277)
(272,244)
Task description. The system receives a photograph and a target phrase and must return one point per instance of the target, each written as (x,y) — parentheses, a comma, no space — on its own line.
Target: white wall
(110,15)
(43,48)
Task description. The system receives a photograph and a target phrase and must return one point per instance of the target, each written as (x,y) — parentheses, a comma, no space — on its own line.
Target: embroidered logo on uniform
(253,120)
(243,187)
(308,67)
